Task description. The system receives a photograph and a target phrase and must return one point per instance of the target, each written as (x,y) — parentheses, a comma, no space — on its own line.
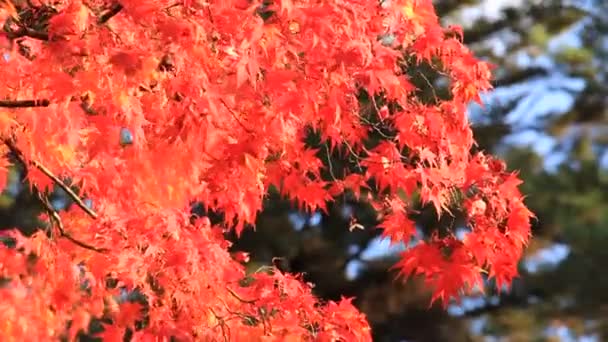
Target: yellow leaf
(66,152)
(408,11)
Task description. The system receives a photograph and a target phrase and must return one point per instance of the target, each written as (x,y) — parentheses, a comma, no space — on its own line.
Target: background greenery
(548,118)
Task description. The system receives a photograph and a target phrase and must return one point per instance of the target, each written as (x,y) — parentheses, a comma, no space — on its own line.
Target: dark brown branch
(24,31)
(55,179)
(84,103)
(24,103)
(56,219)
(235,295)
(110,13)
(65,188)
(28,32)
(54,216)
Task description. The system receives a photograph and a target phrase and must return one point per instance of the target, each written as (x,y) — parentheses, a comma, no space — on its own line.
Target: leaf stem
(235,116)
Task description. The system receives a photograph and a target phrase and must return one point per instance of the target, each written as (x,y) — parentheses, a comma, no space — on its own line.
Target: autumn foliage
(139,108)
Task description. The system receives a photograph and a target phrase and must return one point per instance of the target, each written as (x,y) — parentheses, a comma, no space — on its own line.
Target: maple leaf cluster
(139,108)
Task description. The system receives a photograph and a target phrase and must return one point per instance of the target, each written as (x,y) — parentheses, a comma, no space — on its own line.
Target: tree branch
(65,188)
(56,219)
(104,18)
(24,103)
(28,32)
(55,179)
(84,103)
(235,295)
(54,216)
(25,31)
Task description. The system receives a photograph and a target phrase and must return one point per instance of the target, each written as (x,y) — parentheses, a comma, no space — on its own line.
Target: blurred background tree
(547,117)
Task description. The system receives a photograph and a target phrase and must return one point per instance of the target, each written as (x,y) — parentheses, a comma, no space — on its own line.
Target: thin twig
(357,157)
(221,323)
(428,82)
(55,179)
(82,244)
(374,126)
(66,188)
(235,116)
(166,9)
(208,7)
(110,13)
(57,220)
(235,295)
(331,167)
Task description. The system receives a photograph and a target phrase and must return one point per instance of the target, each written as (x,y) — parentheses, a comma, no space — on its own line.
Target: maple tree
(137,109)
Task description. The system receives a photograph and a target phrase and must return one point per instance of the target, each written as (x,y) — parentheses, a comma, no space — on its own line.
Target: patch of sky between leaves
(488,10)
(546,258)
(537,99)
